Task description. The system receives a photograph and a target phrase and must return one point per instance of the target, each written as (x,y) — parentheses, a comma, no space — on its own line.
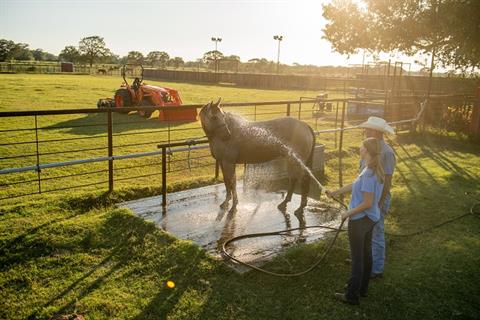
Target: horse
(234,140)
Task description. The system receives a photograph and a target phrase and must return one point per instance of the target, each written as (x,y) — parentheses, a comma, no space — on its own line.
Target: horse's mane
(234,119)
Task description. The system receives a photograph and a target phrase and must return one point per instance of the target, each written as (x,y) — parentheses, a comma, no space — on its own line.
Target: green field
(69,252)
(72,137)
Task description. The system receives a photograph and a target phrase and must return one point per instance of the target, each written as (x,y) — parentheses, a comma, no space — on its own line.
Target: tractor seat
(136,84)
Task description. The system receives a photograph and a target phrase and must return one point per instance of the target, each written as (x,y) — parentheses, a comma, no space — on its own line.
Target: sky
(182,28)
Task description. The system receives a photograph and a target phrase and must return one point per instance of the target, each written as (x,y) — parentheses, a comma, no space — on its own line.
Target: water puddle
(195,215)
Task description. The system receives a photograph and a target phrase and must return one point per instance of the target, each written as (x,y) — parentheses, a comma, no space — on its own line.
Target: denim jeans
(378,240)
(378,245)
(360,238)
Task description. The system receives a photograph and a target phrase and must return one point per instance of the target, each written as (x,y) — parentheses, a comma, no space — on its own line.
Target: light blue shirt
(367,181)
(387,157)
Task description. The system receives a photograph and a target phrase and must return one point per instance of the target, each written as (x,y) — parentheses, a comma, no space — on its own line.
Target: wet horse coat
(234,140)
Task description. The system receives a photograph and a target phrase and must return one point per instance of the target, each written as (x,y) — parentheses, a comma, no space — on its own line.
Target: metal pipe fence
(56,150)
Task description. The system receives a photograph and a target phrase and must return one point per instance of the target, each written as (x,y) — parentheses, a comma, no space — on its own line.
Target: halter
(211,132)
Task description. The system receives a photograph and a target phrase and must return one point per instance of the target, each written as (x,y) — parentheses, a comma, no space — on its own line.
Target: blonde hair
(374,149)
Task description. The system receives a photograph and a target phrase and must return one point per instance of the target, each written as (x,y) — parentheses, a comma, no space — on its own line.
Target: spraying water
(261,134)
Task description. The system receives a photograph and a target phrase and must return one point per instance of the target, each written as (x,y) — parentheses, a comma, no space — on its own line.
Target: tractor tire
(122,100)
(145,113)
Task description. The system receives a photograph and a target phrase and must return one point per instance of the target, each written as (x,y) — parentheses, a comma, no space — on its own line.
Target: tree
(69,54)
(212,56)
(93,48)
(6,49)
(40,55)
(231,62)
(22,52)
(261,65)
(135,57)
(157,58)
(446,29)
(176,62)
(112,59)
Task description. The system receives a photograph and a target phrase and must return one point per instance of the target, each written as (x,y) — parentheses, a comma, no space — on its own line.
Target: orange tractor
(140,94)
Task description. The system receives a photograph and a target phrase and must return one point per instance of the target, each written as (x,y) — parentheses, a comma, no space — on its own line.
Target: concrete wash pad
(195,215)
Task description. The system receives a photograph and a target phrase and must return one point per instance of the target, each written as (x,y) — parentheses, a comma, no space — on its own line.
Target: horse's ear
(216,106)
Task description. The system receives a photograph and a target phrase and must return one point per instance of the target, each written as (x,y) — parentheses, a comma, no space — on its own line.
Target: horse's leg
(305,189)
(226,181)
(230,169)
(292,180)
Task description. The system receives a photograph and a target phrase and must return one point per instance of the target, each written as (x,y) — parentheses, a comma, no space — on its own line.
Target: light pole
(216,40)
(279,38)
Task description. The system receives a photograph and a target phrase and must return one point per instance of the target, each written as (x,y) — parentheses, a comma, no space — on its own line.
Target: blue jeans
(360,238)
(378,240)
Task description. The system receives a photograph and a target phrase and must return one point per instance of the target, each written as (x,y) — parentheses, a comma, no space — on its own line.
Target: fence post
(340,149)
(299,109)
(164,177)
(336,124)
(288,109)
(110,151)
(38,157)
(475,123)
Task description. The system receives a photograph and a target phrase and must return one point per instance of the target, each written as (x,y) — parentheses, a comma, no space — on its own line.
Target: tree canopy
(157,58)
(447,29)
(93,48)
(212,56)
(135,57)
(69,54)
(10,50)
(176,62)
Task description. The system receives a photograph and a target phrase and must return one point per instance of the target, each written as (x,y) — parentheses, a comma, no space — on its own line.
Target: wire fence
(46,67)
(59,150)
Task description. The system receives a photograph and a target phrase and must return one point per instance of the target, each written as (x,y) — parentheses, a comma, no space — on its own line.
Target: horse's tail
(310,157)
(305,184)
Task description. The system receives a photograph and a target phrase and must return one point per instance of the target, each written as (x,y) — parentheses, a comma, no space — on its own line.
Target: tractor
(140,94)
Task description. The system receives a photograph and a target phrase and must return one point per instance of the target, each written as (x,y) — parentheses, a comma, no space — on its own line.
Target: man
(375,127)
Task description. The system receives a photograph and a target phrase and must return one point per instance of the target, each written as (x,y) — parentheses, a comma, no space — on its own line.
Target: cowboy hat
(378,124)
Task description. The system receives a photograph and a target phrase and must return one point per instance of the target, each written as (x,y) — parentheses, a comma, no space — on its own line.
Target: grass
(63,135)
(75,252)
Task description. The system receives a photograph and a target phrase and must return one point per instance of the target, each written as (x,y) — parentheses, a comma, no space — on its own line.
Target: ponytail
(375,163)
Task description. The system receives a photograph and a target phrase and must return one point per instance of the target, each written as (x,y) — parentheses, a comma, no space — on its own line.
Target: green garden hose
(474,210)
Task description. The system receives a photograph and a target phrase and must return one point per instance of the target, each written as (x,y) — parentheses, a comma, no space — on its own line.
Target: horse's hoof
(299,212)
(301,239)
(224,205)
(282,206)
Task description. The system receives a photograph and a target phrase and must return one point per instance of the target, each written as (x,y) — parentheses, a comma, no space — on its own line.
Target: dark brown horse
(234,139)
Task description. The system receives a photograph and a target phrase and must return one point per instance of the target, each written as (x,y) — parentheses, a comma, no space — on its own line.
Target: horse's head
(213,121)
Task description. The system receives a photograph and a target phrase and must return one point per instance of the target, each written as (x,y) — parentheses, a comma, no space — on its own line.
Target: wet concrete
(195,215)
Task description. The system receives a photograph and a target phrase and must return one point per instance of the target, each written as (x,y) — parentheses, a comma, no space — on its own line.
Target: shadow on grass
(130,240)
(432,192)
(96,123)
(215,292)
(262,297)
(26,246)
(104,200)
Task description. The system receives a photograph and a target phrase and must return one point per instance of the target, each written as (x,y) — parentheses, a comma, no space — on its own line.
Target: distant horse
(234,139)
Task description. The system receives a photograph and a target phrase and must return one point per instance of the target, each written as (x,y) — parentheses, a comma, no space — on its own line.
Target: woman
(363,213)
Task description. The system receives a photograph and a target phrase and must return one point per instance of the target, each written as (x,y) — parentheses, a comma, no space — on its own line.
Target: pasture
(83,136)
(74,252)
